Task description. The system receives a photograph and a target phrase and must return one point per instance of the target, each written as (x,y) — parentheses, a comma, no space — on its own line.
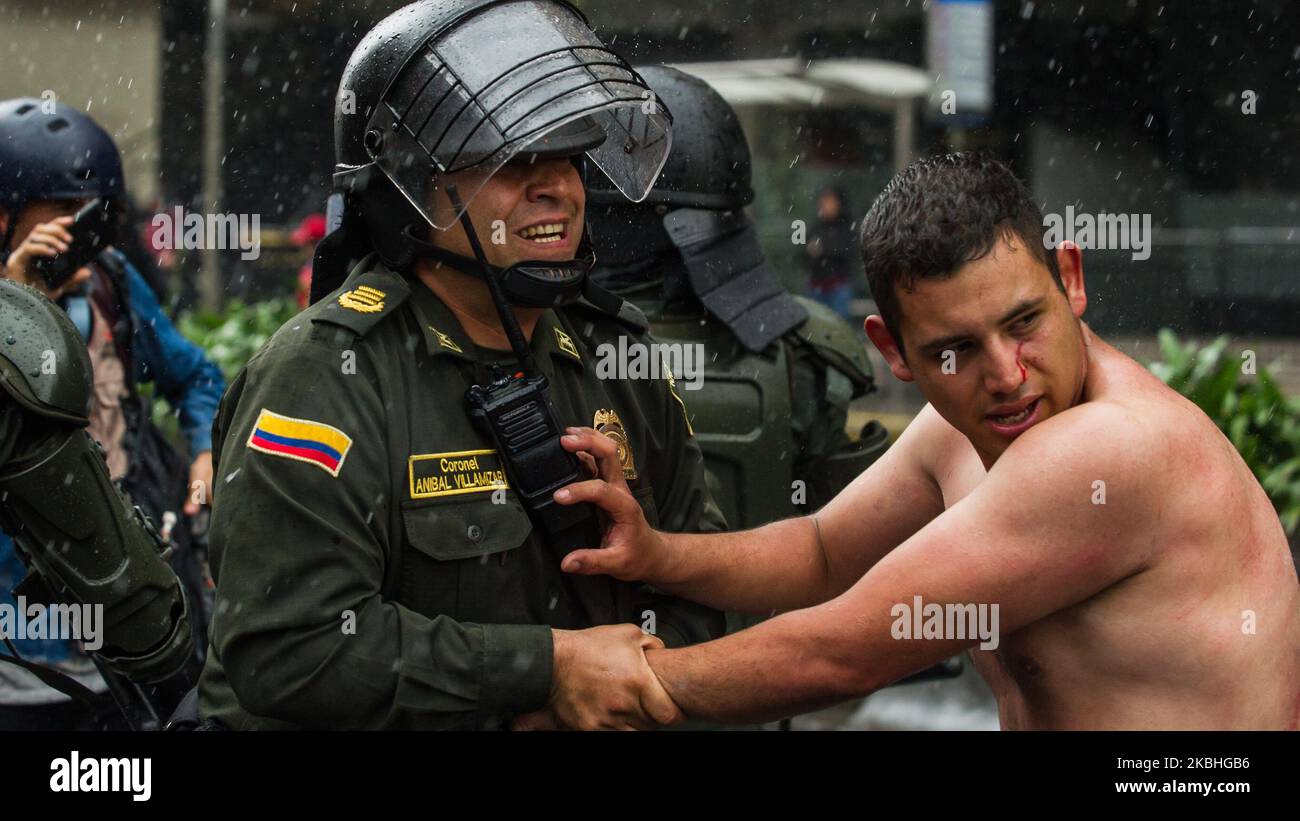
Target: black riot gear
(448,91)
(83,541)
(709,166)
(690,234)
(689,256)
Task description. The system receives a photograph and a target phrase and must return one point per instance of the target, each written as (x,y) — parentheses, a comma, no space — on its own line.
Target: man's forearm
(777,669)
(777,567)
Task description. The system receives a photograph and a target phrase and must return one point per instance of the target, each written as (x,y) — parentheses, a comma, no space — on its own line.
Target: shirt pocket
(460,558)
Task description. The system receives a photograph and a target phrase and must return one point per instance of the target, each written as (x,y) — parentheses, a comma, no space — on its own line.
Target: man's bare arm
(782,566)
(717,569)
(1029,540)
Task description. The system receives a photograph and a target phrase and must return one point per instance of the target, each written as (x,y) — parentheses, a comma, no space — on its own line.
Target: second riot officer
(779,371)
(384,541)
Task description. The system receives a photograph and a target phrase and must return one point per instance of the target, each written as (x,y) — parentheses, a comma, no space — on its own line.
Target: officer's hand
(48,239)
(200,488)
(602,681)
(630,550)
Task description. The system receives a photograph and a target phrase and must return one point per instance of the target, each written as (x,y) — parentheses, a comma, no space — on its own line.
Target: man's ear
(1069,261)
(888,347)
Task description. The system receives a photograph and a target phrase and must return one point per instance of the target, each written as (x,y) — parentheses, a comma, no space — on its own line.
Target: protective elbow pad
(88,545)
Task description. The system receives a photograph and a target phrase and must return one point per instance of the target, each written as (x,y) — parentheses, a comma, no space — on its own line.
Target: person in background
(831,252)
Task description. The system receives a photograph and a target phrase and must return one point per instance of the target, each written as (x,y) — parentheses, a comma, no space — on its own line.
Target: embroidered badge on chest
(608,423)
(455,473)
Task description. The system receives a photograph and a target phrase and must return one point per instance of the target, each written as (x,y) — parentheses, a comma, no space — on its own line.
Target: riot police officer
(779,371)
(384,541)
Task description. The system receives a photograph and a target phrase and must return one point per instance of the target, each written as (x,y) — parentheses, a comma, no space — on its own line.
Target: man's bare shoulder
(1100,438)
(1129,420)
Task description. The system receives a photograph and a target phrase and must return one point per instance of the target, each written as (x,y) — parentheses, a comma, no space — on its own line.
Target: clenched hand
(603,682)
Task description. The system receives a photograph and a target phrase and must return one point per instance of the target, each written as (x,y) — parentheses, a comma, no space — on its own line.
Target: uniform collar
(553,340)
(444,335)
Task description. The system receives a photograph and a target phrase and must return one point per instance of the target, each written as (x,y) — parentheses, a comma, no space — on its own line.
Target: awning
(843,83)
(797,83)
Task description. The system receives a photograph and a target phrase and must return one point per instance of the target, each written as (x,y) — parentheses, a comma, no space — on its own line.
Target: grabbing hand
(602,681)
(630,550)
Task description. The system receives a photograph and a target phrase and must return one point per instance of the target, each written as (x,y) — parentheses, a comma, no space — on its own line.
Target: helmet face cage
(472,97)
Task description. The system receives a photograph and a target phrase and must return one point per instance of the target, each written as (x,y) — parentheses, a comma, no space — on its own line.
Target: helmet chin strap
(526,284)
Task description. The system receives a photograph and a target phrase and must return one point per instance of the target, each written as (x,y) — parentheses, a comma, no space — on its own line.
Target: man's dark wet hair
(940,213)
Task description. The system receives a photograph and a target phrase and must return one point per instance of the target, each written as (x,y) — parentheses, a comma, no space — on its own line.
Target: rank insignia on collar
(608,423)
(363,300)
(446,341)
(566,344)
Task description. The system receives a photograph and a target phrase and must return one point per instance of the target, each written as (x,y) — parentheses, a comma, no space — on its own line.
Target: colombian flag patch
(322,445)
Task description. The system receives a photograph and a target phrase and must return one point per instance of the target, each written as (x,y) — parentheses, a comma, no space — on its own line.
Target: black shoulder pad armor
(835,342)
(627,314)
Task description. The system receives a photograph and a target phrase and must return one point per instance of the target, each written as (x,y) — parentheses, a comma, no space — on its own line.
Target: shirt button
(475,533)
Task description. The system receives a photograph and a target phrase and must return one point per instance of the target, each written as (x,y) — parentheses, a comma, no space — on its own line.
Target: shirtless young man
(1142,577)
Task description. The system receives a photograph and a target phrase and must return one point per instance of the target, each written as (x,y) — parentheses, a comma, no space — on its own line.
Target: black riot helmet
(690,238)
(442,93)
(709,166)
(51,151)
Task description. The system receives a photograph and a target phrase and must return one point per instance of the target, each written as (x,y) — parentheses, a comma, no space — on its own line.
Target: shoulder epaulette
(363,300)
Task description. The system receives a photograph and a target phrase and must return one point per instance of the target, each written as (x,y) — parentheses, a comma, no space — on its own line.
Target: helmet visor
(497,83)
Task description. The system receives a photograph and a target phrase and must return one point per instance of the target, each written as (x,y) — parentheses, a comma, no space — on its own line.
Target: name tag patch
(455,473)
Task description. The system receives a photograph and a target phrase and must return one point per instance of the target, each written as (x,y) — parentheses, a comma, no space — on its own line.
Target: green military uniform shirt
(371,570)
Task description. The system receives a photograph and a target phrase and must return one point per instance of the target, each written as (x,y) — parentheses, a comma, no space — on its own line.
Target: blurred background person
(832,253)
